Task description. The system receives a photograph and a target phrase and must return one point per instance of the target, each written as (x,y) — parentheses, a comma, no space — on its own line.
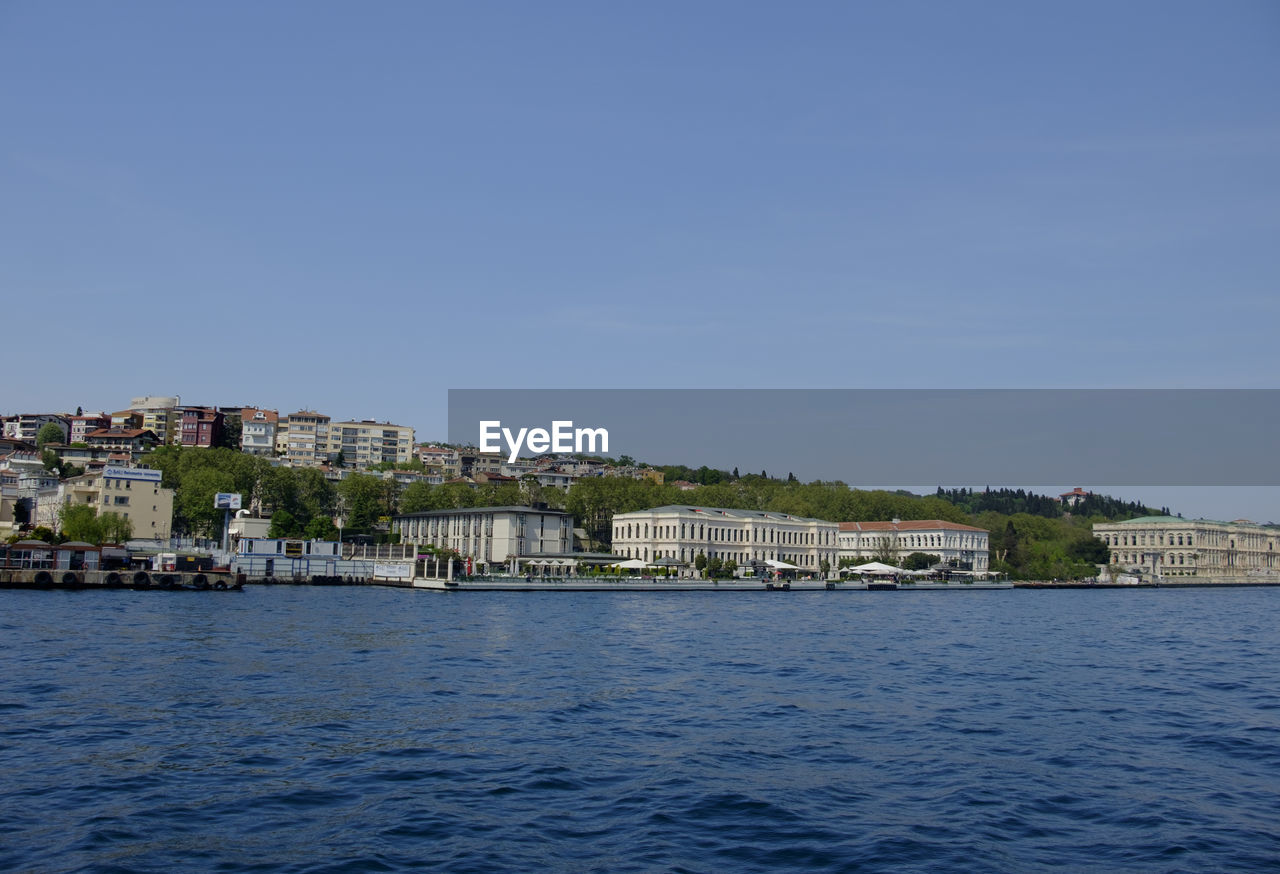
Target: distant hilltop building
(961,546)
(1074,496)
(743,536)
(1174,547)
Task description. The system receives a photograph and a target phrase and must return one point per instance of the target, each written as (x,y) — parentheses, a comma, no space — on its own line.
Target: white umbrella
(632,564)
(781,565)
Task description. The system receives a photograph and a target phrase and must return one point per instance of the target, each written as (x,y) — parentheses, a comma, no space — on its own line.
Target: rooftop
(909,525)
(478,510)
(712,512)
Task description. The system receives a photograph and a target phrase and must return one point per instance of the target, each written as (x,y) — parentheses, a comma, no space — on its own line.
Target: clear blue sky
(354,207)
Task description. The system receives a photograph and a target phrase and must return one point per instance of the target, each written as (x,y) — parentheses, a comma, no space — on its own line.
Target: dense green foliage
(48,433)
(81,522)
(1011,501)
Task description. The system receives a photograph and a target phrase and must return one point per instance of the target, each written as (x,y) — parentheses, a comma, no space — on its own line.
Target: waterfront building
(134,493)
(489,535)
(367,442)
(258,431)
(1171,546)
(744,536)
(8,512)
(963,547)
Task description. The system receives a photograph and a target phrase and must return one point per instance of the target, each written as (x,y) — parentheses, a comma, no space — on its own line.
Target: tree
(50,432)
(321,528)
(284,524)
(232,430)
(365,499)
(918,561)
(1091,550)
(80,522)
(114,528)
(193,502)
(886,551)
(416,498)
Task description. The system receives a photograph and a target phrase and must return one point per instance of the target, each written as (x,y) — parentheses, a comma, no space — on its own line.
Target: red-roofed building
(258,431)
(132,440)
(83,424)
(1074,496)
(200,426)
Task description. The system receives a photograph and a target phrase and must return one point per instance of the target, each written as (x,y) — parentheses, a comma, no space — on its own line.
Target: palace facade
(682,533)
(1172,546)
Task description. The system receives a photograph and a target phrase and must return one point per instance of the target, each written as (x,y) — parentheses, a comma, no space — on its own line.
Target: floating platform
(666,584)
(144,580)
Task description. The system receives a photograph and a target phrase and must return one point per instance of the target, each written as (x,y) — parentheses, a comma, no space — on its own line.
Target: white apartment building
(489,535)
(368,442)
(258,431)
(968,547)
(303,438)
(1174,547)
(683,533)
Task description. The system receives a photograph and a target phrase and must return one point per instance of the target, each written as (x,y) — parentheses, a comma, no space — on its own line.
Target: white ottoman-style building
(682,533)
(962,546)
(1170,546)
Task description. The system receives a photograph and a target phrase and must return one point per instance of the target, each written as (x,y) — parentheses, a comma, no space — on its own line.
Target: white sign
(540,440)
(226,501)
(135,473)
(393,571)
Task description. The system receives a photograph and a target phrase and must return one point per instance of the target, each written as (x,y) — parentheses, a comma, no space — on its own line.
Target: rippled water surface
(367,729)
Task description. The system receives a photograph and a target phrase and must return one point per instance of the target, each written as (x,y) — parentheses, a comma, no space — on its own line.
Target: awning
(876,567)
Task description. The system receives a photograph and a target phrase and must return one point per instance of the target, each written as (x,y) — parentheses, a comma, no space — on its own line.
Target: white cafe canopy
(876,567)
(781,565)
(632,563)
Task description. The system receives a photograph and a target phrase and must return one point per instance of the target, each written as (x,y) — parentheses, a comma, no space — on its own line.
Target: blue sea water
(368,729)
